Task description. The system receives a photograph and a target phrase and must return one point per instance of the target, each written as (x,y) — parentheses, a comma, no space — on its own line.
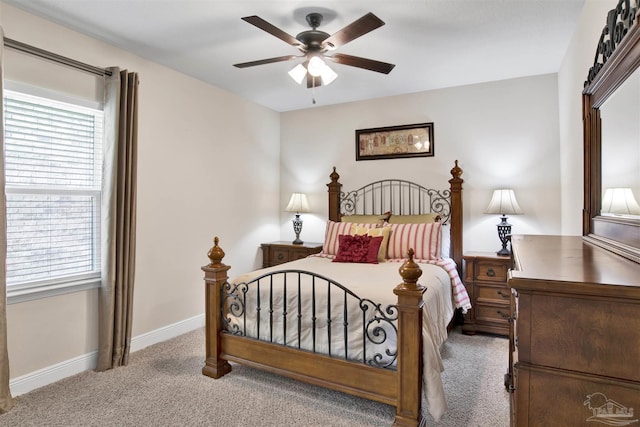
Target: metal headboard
(398,196)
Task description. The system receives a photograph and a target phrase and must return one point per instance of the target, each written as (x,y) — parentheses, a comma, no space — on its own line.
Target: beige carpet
(162,386)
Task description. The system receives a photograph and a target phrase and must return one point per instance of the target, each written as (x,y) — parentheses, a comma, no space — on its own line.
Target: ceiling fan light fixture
(328,75)
(316,66)
(298,73)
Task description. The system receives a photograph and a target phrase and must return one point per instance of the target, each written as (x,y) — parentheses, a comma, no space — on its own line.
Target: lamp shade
(620,201)
(503,202)
(298,203)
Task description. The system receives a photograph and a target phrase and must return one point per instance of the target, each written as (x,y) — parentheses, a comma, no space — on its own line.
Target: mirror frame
(617,57)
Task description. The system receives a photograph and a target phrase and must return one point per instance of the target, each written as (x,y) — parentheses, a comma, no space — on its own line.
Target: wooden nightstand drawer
(492,293)
(276,253)
(492,271)
(494,313)
(278,256)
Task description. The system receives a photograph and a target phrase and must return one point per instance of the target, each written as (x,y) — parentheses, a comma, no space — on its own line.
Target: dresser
(575,349)
(485,277)
(275,253)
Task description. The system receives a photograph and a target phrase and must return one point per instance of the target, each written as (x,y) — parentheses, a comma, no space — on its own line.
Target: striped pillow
(335,229)
(425,239)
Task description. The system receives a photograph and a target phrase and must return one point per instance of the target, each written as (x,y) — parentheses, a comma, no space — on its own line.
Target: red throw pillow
(362,249)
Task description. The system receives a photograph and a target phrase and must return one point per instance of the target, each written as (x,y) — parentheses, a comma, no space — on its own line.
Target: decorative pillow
(366,219)
(363,249)
(414,219)
(335,229)
(374,232)
(425,239)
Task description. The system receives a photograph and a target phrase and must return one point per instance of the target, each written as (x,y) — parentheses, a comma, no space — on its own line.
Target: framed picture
(394,142)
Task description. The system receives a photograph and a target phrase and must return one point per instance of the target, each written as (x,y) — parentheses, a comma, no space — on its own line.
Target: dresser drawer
(606,345)
(493,313)
(492,293)
(549,397)
(491,271)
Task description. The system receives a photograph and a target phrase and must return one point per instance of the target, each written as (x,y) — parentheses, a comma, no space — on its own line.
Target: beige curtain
(6,402)
(118,218)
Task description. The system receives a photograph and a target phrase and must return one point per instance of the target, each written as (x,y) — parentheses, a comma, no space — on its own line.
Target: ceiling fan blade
(313,81)
(367,64)
(272,29)
(357,28)
(265,61)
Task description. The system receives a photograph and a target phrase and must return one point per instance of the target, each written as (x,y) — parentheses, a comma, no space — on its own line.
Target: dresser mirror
(611,113)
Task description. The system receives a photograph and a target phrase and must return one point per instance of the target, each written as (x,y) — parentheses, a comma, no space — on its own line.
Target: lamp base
(297,228)
(504,252)
(504,234)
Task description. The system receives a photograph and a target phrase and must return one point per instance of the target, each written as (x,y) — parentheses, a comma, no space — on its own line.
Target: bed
(366,316)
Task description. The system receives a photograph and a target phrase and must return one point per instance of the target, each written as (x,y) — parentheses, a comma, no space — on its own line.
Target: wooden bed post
(456,216)
(215,276)
(334,196)
(408,407)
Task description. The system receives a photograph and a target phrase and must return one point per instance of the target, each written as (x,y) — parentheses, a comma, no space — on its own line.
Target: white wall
(208,165)
(571,77)
(505,134)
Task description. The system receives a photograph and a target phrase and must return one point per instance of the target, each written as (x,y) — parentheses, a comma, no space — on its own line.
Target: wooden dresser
(485,277)
(576,334)
(276,253)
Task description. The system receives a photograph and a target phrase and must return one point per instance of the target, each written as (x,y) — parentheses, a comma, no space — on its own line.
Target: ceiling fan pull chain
(313,92)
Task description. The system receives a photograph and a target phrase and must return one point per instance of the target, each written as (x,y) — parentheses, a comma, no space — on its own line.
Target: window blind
(53,168)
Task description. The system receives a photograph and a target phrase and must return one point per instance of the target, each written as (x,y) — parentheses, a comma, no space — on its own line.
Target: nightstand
(485,277)
(275,253)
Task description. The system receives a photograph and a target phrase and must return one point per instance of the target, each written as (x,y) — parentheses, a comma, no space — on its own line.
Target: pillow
(335,229)
(383,232)
(446,241)
(425,239)
(414,219)
(366,219)
(363,249)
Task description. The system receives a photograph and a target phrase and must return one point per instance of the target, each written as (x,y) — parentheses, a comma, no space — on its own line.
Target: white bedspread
(375,282)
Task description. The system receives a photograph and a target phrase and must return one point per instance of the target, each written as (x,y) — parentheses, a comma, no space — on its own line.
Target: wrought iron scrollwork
(377,330)
(440,202)
(233,303)
(619,21)
(348,202)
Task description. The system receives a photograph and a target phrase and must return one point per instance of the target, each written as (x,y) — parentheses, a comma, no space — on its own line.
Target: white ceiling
(434,43)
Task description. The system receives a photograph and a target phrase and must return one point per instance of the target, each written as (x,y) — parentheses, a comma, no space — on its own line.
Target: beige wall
(503,133)
(208,165)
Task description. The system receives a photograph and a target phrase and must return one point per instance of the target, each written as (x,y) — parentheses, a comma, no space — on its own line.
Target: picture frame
(395,142)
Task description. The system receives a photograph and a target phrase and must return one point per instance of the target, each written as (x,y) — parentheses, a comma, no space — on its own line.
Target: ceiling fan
(317,45)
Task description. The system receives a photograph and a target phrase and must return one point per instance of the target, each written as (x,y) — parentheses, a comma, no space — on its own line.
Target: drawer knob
(491,273)
(280,256)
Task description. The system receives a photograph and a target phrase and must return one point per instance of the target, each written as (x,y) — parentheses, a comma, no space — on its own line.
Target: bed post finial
(410,272)
(215,254)
(334,176)
(456,172)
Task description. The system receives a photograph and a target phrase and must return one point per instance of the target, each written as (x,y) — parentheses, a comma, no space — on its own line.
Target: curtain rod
(23,47)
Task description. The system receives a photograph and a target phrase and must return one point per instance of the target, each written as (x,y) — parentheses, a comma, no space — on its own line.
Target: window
(53,168)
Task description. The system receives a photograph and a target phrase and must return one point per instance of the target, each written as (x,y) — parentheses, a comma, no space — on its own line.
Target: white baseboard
(85,362)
